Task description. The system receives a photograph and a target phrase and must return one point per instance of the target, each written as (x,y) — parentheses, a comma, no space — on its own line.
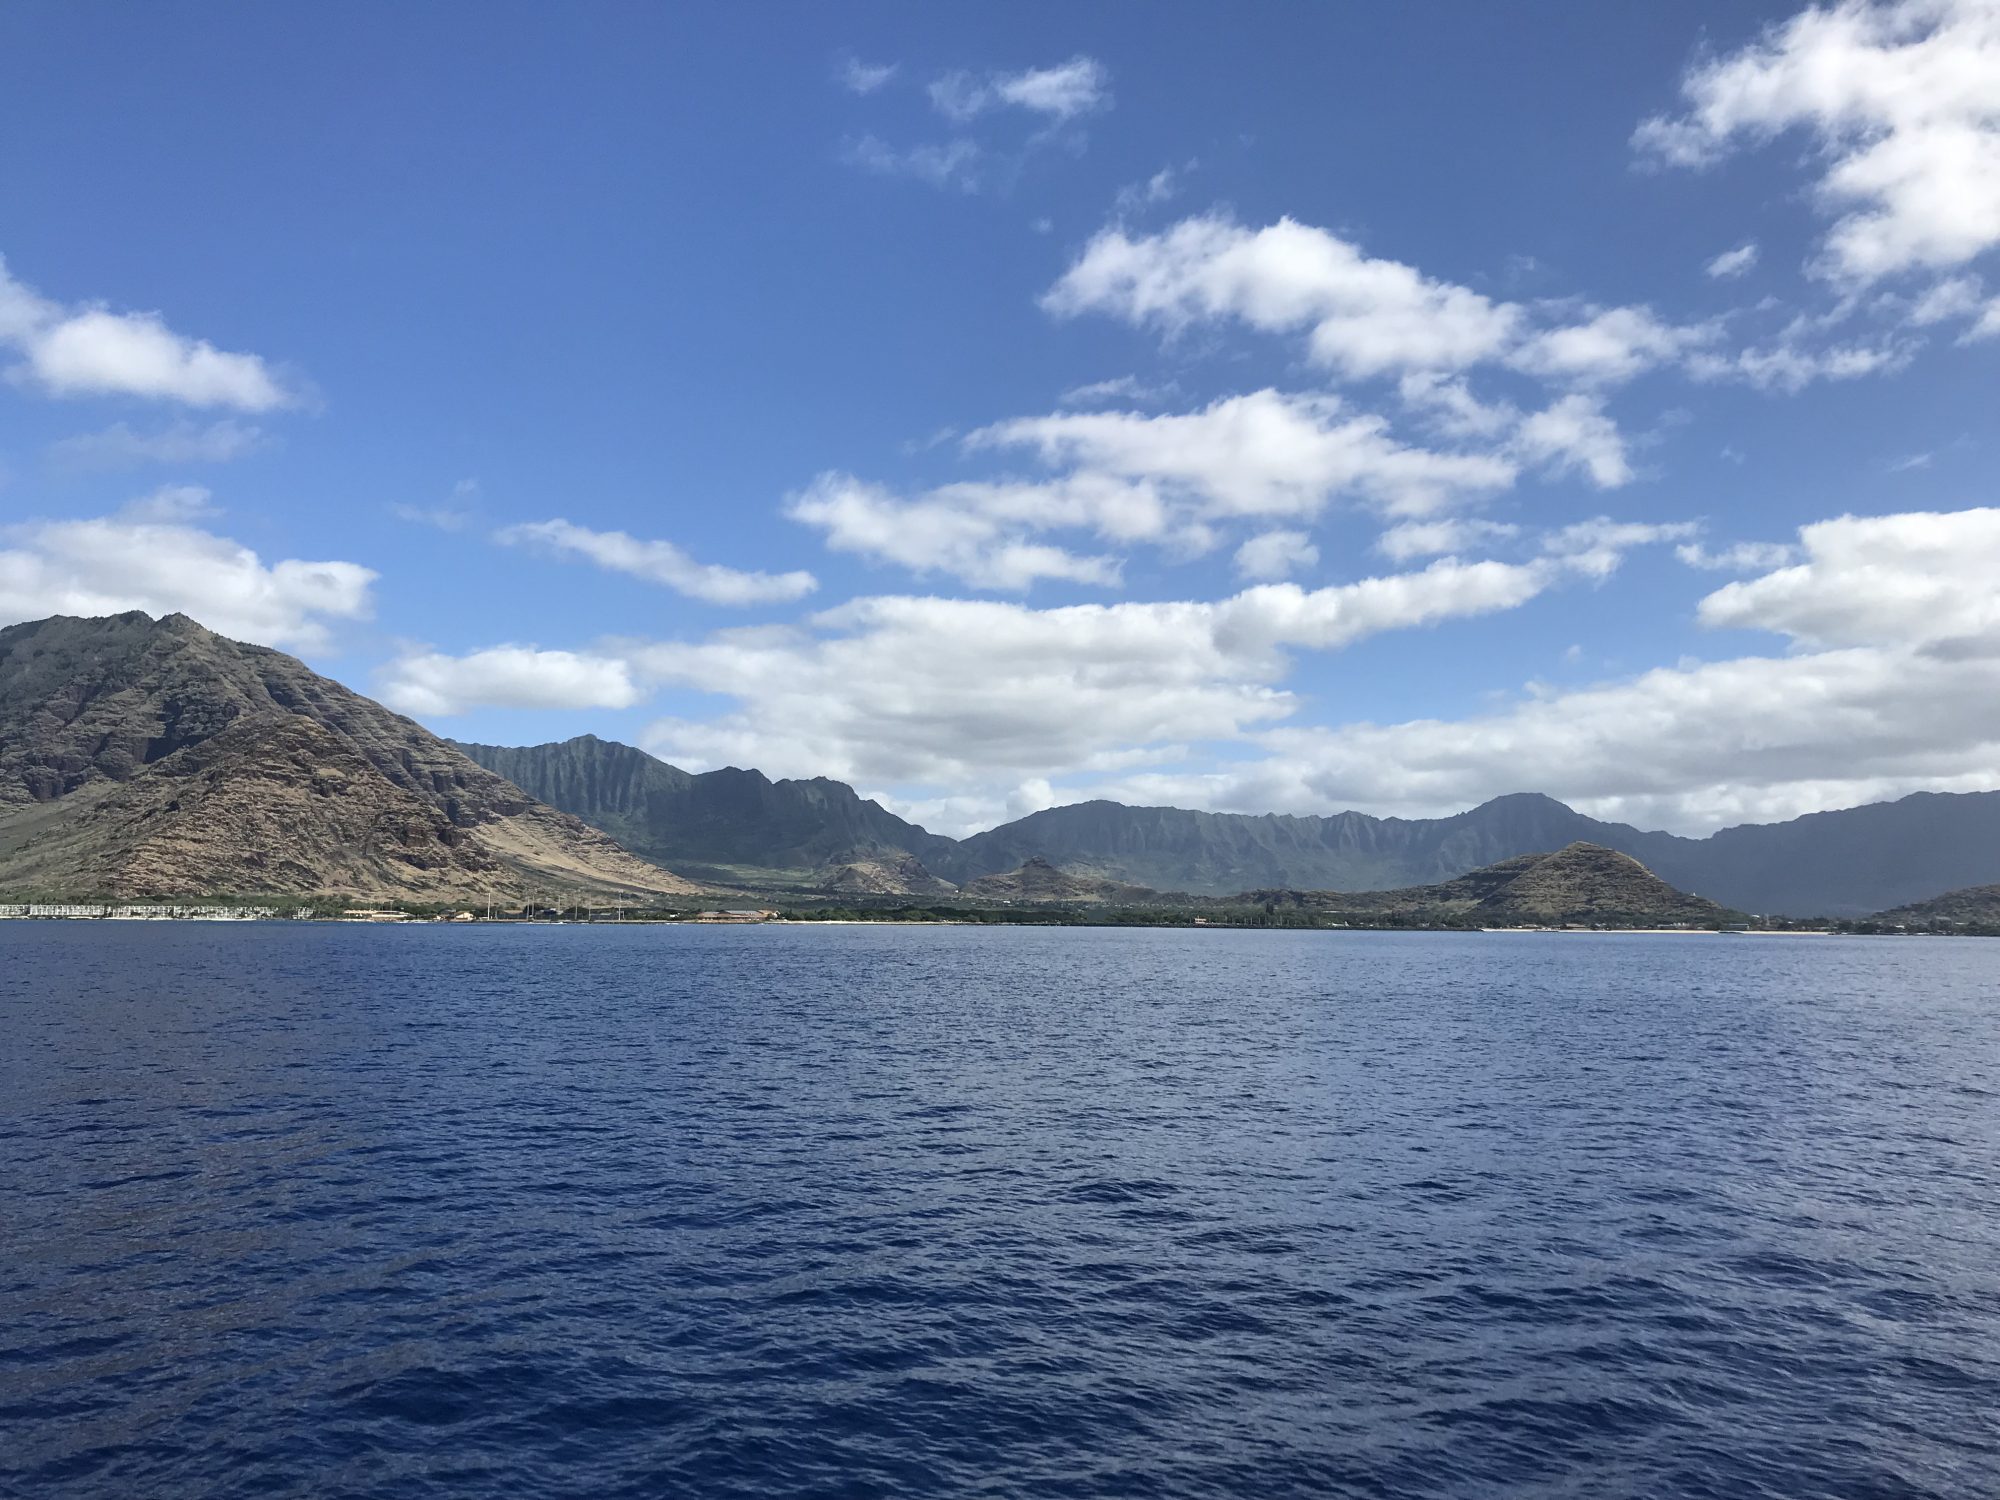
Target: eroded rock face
(893,875)
(153,757)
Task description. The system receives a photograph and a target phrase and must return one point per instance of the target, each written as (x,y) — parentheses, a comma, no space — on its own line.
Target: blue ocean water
(864,1211)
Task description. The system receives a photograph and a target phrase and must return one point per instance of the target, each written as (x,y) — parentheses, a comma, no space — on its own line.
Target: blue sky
(1264,408)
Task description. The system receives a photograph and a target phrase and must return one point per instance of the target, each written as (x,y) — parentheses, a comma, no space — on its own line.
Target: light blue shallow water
(334,1211)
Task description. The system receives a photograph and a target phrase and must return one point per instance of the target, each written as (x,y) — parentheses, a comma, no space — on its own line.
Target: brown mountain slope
(1580,884)
(1039,882)
(887,875)
(143,757)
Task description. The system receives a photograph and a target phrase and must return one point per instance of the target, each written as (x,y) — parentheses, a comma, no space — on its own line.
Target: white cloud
(1691,747)
(1900,100)
(973,699)
(1364,316)
(1919,578)
(1367,318)
(1276,554)
(1596,547)
(1059,93)
(1574,435)
(431,683)
(1790,366)
(950,164)
(121,446)
(146,559)
(1612,345)
(1739,557)
(1733,263)
(858,77)
(1948,299)
(1894,688)
(89,350)
(976,533)
(660,562)
(1445,538)
(1260,454)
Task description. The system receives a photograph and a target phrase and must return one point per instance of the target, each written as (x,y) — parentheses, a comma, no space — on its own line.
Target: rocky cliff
(143,757)
(728,824)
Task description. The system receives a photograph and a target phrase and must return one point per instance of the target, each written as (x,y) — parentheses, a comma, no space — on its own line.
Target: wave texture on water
(326,1211)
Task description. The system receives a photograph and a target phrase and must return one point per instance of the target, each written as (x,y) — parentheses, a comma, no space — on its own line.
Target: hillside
(727,824)
(1039,883)
(888,875)
(143,757)
(1580,884)
(1974,906)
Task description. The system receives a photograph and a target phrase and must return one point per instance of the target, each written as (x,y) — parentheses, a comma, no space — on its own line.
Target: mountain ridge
(1849,862)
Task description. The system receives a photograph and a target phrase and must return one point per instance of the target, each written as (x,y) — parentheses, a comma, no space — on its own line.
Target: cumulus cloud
(963,702)
(1733,263)
(978,533)
(1918,578)
(148,558)
(1363,316)
(659,562)
(1261,454)
(1182,481)
(121,446)
(1575,436)
(1892,686)
(1058,93)
(1611,345)
(1899,100)
(89,350)
(1276,554)
(431,683)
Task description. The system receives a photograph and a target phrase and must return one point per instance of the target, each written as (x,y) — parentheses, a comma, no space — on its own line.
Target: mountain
(886,875)
(1581,884)
(1974,906)
(1844,863)
(739,825)
(143,757)
(725,825)
(1039,883)
(1171,848)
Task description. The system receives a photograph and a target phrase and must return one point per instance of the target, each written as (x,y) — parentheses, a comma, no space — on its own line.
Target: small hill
(143,757)
(1974,906)
(1591,885)
(889,876)
(1581,884)
(1039,883)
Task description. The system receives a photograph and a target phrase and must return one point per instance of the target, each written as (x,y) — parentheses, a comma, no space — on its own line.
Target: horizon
(996,412)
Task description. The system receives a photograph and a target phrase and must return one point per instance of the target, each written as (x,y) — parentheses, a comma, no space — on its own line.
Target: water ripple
(1037,1213)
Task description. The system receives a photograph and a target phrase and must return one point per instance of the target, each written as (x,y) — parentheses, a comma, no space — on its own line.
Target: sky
(1265,409)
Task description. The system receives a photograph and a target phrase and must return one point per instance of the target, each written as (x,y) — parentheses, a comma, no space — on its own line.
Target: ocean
(293,1209)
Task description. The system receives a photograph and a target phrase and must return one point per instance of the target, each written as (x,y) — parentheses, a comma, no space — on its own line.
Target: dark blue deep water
(339,1211)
